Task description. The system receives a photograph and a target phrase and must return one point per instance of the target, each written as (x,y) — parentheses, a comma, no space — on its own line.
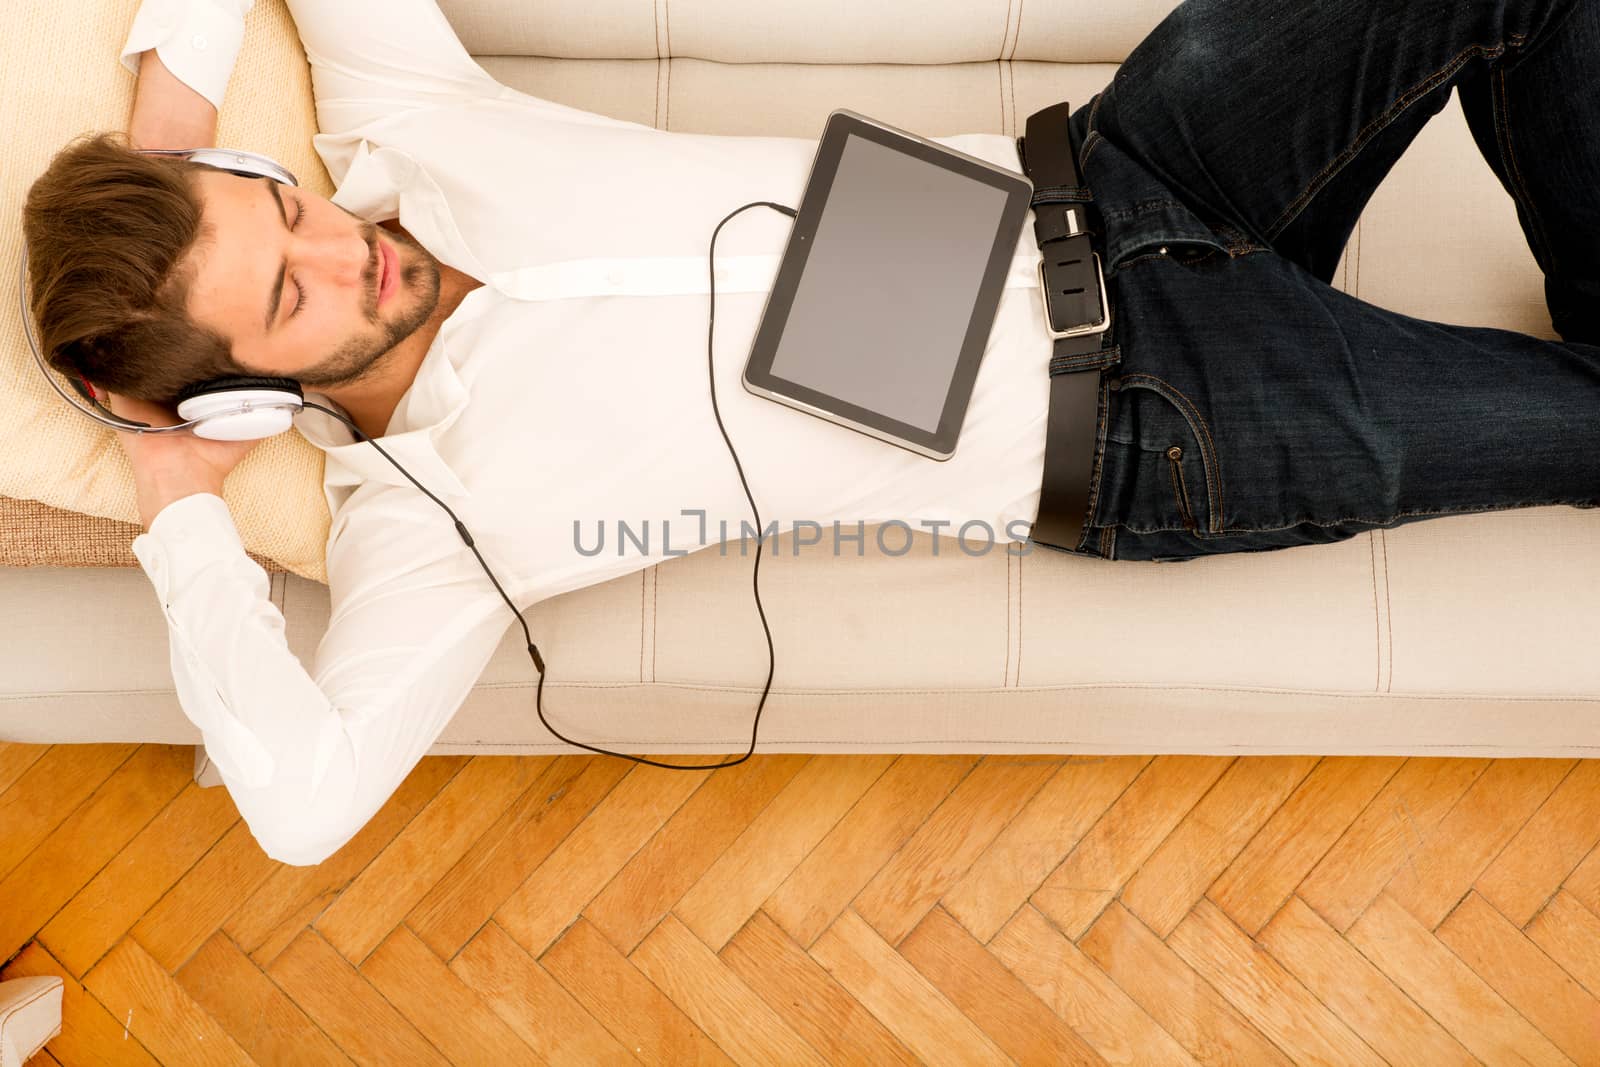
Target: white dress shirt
(570,387)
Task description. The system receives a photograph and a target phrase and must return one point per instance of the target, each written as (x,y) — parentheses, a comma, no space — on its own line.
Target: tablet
(888,286)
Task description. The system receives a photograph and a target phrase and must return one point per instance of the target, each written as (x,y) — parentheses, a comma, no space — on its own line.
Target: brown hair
(108,230)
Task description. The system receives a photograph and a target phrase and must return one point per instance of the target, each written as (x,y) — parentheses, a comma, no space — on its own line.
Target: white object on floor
(30,1015)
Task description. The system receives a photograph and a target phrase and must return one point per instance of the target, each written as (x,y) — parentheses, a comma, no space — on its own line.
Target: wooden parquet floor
(800,909)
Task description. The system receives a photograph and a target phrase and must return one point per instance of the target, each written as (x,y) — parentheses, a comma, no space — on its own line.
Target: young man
(524,333)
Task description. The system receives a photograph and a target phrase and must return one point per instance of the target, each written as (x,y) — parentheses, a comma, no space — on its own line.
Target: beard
(362,357)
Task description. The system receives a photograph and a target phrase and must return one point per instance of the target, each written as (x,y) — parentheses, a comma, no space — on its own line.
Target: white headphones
(222,409)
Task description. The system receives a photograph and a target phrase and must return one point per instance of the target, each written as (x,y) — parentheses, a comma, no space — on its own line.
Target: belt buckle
(1083,328)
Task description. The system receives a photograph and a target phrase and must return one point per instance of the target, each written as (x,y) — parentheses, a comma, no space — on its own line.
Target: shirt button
(199,42)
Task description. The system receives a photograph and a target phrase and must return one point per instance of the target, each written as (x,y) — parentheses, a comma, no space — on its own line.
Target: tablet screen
(890,283)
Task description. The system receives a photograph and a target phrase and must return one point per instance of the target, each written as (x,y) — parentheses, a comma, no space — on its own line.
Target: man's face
(294,281)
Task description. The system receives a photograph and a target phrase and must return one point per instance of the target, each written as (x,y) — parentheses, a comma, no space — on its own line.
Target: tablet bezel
(758,378)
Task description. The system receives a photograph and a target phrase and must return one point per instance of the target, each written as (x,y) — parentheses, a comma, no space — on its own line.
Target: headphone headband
(245,164)
(228,409)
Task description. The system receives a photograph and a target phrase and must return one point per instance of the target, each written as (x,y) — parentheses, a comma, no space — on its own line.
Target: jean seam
(1102,420)
(1092,137)
(1502,127)
(1207,444)
(1371,130)
(1397,515)
(1140,207)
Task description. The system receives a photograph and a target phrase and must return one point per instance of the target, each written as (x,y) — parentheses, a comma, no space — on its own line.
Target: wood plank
(15,759)
(1529,980)
(1356,991)
(48,789)
(775,843)
(858,845)
(536,822)
(902,999)
(945,847)
(343,1003)
(1446,988)
(1570,934)
(292,897)
(809,999)
(156,1010)
(1552,844)
(1016,1020)
(580,866)
(1264,992)
(1477,828)
(441,1005)
(1386,835)
(87,840)
(1205,1024)
(88,1032)
(1061,975)
(138,876)
(711,994)
(533,1004)
(201,901)
(634,901)
(1584,882)
(625,1001)
(1210,837)
(1113,849)
(269,1026)
(1257,884)
(1034,843)
(378,898)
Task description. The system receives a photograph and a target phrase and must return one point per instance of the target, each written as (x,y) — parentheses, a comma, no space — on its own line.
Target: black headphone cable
(755,574)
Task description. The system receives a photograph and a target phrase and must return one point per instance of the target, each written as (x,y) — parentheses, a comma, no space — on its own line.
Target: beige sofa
(1463,635)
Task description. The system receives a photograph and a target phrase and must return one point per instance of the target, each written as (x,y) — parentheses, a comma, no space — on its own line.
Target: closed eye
(299,292)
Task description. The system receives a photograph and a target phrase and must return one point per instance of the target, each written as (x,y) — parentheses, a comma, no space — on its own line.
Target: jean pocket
(1193,254)
(1168,478)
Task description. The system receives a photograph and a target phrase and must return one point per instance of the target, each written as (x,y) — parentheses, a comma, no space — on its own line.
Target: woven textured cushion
(37,535)
(61,72)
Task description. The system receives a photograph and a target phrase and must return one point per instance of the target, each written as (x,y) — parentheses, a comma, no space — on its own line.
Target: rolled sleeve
(197,40)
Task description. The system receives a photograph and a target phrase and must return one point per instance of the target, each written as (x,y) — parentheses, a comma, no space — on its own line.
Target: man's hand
(168,467)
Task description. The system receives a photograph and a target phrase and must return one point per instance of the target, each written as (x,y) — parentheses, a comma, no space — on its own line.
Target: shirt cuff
(187,536)
(197,40)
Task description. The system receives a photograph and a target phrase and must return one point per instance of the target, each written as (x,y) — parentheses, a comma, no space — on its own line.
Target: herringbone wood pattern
(822,909)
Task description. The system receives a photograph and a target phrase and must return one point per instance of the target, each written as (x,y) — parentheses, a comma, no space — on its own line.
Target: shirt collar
(381,184)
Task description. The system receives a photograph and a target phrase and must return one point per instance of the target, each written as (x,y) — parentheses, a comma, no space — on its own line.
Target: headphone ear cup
(217,385)
(241,408)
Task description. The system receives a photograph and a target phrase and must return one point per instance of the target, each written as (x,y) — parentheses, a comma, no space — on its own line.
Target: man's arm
(369,59)
(309,757)
(166,112)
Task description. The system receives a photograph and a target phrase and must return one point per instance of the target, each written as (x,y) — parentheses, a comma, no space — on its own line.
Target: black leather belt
(1077,313)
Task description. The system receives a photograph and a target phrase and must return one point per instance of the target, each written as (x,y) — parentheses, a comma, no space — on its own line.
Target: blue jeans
(1254,406)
